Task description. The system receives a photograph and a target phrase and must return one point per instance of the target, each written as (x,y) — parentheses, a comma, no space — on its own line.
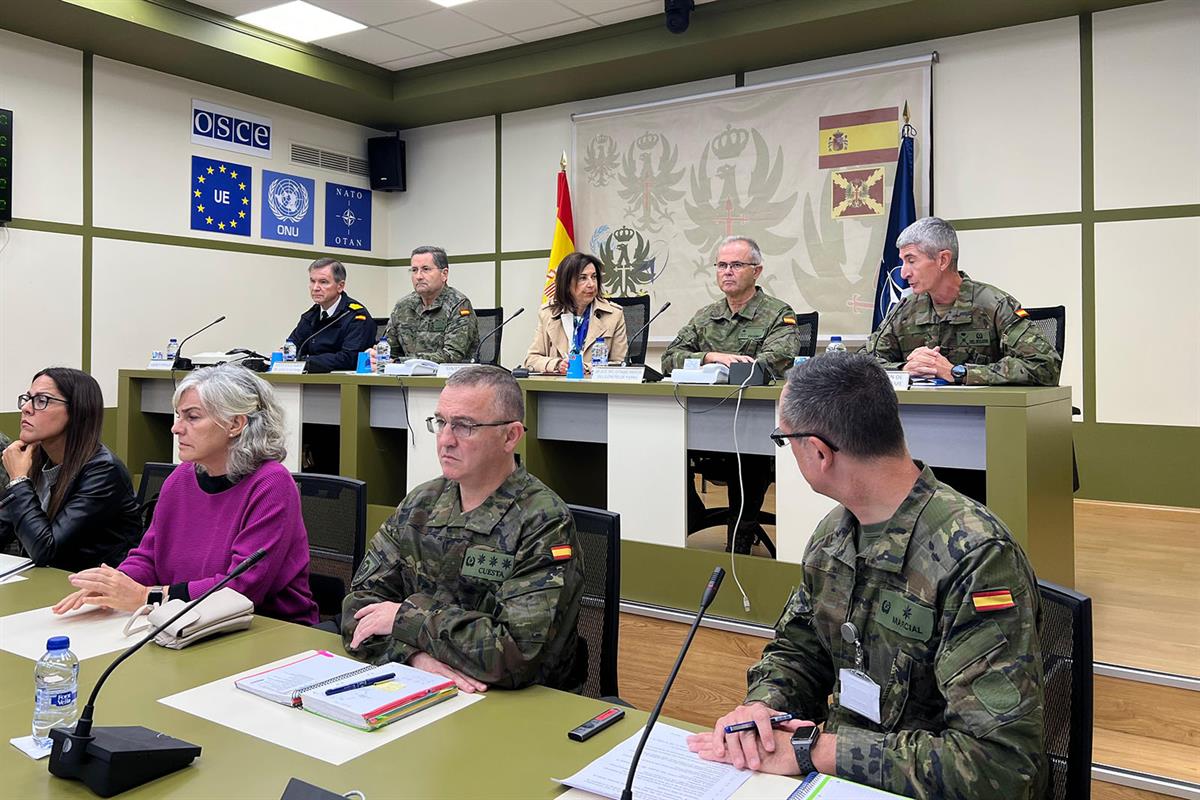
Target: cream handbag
(223,611)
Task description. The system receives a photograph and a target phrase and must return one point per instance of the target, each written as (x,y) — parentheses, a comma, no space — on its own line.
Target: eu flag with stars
(889,286)
(221,192)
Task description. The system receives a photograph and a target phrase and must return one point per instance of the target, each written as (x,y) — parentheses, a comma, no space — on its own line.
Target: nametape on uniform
(994,600)
(561,552)
(975,337)
(906,617)
(490,565)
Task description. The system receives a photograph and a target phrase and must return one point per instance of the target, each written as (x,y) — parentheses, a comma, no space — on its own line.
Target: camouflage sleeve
(781,344)
(505,648)
(685,345)
(1027,356)
(989,670)
(461,337)
(884,343)
(381,578)
(795,673)
(392,332)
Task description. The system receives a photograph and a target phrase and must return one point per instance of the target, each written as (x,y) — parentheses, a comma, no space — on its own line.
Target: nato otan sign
(230,129)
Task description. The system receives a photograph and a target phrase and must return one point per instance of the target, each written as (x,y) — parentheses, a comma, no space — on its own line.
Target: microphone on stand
(113,759)
(185,364)
(300,349)
(710,592)
(493,332)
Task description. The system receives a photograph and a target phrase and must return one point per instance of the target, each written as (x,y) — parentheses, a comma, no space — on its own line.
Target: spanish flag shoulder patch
(464,312)
(561,552)
(355,306)
(1022,313)
(993,600)
(359,316)
(789,320)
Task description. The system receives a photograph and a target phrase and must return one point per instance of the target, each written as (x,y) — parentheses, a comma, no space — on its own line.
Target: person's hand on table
(561,369)
(928,362)
(726,358)
(465,682)
(106,587)
(18,459)
(376,619)
(740,749)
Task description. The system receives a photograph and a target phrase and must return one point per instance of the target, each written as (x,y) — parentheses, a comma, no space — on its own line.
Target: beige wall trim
(1169,679)
(1146,782)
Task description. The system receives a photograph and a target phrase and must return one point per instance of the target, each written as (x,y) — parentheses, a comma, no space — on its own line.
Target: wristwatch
(804,739)
(16,480)
(156,596)
(959,373)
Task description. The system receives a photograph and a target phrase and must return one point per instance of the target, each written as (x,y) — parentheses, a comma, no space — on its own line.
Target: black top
(338,343)
(97,523)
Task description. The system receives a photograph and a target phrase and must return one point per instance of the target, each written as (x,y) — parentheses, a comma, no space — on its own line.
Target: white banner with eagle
(804,167)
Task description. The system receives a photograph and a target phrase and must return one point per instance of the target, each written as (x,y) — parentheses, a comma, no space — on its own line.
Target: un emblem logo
(288,200)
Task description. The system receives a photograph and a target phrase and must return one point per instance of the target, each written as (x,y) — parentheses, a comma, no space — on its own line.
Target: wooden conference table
(624,447)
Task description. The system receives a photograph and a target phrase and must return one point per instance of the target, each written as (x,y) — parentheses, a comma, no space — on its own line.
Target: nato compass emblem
(347,217)
(629,269)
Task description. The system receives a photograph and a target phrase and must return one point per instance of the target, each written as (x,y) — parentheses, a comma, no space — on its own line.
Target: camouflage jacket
(447,332)
(494,593)
(765,329)
(986,329)
(961,689)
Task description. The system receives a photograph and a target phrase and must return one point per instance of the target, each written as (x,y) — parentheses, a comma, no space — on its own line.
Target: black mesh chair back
(381,324)
(1052,321)
(154,475)
(1065,631)
(335,515)
(599,533)
(806,329)
(637,311)
(489,320)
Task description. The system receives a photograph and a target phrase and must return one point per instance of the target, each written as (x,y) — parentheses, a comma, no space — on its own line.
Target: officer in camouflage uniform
(944,603)
(435,322)
(950,320)
(478,575)
(748,325)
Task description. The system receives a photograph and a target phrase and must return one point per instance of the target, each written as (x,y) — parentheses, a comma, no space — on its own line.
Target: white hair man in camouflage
(955,328)
(921,590)
(478,575)
(436,321)
(747,325)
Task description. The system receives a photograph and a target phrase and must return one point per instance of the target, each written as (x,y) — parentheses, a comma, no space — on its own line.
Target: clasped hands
(928,362)
(766,749)
(378,619)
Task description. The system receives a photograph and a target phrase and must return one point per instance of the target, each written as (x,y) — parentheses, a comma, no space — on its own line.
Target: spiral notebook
(827,787)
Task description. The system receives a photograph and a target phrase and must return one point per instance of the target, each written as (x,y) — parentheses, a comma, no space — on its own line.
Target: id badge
(859,693)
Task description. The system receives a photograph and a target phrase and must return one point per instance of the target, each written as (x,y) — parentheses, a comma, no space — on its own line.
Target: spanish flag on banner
(564,233)
(863,137)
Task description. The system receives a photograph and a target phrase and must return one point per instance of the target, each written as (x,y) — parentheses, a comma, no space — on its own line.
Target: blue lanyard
(581,328)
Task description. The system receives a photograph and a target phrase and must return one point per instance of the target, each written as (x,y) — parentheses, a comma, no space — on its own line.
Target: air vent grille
(329,159)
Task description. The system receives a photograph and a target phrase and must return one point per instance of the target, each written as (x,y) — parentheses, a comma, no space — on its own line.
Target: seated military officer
(436,321)
(915,609)
(331,334)
(746,325)
(478,575)
(954,328)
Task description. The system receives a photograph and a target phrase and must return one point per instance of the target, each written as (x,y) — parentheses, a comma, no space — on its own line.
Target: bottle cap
(58,643)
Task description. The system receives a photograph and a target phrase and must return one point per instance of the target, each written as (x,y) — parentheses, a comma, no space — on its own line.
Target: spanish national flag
(995,600)
(564,233)
(861,137)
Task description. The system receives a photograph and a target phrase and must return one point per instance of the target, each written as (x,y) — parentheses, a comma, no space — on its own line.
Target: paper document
(223,703)
(826,787)
(11,568)
(94,631)
(667,771)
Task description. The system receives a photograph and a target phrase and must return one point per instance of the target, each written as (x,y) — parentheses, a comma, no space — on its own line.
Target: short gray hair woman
(227,390)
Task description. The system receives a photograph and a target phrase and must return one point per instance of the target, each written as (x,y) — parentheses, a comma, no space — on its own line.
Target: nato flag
(889,284)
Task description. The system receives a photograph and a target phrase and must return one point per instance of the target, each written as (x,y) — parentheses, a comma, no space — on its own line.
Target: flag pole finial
(905,117)
(563,163)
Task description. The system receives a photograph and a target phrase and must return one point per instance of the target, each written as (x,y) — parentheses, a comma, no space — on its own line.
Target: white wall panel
(1147,104)
(520,285)
(1147,307)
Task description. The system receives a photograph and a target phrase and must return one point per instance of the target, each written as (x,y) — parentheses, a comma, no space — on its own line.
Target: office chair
(335,515)
(1065,632)
(489,320)
(599,533)
(637,311)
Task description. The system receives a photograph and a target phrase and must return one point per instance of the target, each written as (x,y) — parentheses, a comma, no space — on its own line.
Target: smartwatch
(803,739)
(156,596)
(959,373)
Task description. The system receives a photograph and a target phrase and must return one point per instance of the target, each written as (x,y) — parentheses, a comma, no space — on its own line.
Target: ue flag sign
(220,196)
(287,208)
(347,217)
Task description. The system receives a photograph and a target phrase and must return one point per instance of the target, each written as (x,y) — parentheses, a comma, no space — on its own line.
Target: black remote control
(596,724)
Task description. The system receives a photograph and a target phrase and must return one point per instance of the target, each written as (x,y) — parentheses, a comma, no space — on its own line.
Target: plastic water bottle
(172,348)
(383,354)
(55,682)
(835,345)
(289,350)
(599,353)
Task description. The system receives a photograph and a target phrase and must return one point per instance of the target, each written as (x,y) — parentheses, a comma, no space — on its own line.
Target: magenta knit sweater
(198,538)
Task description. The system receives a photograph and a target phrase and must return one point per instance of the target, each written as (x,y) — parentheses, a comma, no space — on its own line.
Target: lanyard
(581,329)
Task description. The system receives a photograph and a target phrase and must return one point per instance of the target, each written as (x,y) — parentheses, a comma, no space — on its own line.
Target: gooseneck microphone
(323,328)
(185,364)
(493,332)
(113,759)
(710,592)
(643,329)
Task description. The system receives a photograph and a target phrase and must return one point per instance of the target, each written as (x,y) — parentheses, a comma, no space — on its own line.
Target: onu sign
(230,129)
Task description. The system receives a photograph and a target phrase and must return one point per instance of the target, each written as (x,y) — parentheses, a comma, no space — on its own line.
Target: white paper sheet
(667,771)
(93,631)
(12,579)
(30,748)
(7,562)
(223,703)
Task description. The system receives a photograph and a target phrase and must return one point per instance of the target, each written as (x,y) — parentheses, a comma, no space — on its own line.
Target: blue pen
(361,684)
(749,726)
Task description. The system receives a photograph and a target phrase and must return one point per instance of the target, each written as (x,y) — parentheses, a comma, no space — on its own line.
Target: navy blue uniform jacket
(336,345)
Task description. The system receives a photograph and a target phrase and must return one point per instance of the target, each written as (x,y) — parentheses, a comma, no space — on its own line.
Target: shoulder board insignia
(360,316)
(464,312)
(1022,313)
(994,600)
(561,552)
(789,320)
(355,306)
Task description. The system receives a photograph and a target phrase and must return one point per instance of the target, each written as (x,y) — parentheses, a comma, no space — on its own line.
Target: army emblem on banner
(629,268)
(648,177)
(857,193)
(601,160)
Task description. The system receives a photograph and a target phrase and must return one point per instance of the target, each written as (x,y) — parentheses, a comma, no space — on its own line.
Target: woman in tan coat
(577,317)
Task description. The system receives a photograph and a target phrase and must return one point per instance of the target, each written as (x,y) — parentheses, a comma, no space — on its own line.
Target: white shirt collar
(335,305)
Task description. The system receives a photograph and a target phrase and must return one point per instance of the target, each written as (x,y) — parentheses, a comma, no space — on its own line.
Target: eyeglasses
(460,428)
(40,401)
(736,266)
(781,439)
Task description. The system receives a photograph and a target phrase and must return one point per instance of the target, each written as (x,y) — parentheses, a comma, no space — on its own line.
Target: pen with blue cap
(751,724)
(349,687)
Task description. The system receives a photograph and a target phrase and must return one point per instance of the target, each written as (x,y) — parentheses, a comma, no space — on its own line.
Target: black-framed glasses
(736,266)
(40,401)
(781,439)
(461,428)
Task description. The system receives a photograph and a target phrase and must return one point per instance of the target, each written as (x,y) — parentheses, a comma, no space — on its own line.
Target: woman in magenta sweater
(228,498)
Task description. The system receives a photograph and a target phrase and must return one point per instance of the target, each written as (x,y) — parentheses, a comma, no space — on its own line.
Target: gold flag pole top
(905,117)
(563,164)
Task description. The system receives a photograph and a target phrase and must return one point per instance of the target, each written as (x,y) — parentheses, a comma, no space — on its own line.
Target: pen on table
(349,687)
(751,725)
(12,573)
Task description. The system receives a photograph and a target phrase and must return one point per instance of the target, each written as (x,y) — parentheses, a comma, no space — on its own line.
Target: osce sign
(230,129)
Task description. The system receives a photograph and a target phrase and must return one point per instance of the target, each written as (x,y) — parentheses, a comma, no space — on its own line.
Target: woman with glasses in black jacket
(69,500)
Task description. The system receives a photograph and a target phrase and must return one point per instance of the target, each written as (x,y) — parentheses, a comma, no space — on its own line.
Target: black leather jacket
(97,523)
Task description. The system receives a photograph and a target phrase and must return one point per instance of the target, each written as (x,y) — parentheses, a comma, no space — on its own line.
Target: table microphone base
(112,760)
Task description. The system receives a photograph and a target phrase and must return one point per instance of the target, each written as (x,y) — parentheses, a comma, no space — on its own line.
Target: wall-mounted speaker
(6,156)
(385,160)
